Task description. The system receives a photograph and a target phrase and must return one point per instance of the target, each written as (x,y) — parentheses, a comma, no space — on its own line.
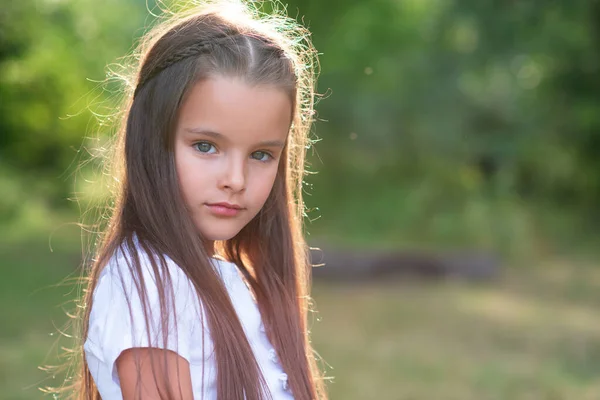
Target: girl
(200,286)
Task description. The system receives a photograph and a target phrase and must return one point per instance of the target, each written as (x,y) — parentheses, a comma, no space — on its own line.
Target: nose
(234,175)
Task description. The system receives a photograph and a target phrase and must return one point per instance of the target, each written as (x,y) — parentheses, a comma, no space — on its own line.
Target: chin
(224,234)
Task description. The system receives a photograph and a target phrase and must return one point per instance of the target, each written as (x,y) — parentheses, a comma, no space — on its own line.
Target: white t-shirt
(111,330)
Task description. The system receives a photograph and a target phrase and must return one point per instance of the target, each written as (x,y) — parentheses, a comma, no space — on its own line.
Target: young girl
(200,286)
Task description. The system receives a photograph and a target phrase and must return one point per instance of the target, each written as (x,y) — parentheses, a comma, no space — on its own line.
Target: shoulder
(138,297)
(136,290)
(135,305)
(139,265)
(142,279)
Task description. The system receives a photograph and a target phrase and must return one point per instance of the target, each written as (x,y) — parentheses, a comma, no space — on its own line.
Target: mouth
(225,205)
(224,209)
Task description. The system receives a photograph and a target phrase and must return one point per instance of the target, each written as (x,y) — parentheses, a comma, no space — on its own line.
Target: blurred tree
(49,52)
(443,116)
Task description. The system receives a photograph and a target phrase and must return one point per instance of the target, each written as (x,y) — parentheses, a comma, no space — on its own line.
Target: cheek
(184,176)
(263,186)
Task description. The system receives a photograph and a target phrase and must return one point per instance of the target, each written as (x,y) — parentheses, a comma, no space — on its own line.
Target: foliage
(439,118)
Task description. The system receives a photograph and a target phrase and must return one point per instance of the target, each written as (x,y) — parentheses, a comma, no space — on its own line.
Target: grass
(533,334)
(34,299)
(525,337)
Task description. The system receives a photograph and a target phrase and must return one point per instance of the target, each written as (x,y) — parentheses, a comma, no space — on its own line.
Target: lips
(226,205)
(224,209)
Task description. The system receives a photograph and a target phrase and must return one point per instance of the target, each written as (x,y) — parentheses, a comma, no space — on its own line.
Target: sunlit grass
(453,341)
(531,335)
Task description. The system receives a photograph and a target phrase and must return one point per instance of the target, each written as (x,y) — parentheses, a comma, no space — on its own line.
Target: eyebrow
(217,135)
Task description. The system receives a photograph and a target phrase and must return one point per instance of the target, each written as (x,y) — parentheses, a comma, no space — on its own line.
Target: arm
(135,369)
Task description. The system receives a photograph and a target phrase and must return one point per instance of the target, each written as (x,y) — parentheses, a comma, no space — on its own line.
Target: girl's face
(229,139)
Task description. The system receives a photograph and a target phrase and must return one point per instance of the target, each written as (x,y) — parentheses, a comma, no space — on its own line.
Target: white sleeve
(117,321)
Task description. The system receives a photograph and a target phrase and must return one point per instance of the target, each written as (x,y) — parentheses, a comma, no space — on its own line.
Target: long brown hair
(148,213)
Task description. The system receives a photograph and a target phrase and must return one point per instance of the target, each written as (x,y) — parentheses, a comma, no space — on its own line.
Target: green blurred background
(468,126)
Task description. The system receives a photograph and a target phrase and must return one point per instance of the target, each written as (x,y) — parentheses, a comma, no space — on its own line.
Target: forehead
(237,110)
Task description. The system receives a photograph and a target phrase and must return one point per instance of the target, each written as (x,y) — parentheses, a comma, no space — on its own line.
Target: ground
(532,334)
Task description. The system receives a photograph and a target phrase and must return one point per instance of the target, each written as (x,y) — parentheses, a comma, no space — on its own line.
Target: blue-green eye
(261,156)
(204,147)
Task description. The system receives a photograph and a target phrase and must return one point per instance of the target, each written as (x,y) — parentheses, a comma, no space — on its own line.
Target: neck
(209,247)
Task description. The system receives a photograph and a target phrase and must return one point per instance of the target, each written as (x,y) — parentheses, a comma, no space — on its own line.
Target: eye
(205,147)
(261,156)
